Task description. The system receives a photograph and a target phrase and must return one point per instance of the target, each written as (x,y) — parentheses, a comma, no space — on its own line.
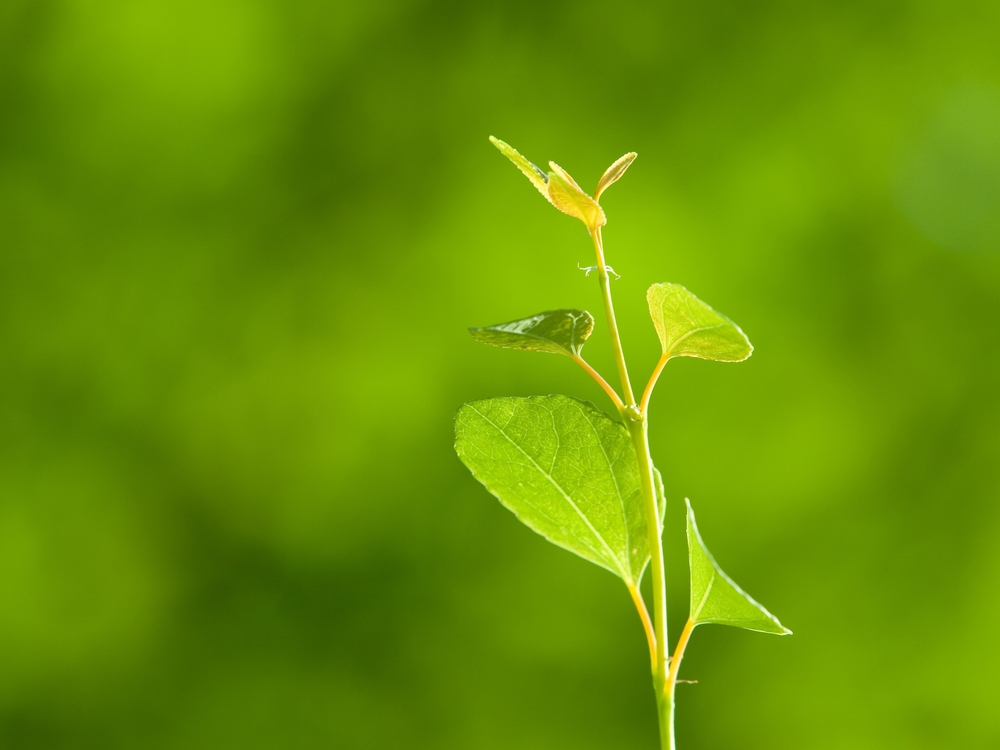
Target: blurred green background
(240,242)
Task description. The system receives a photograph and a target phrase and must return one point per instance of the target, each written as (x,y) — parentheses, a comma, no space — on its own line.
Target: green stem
(667,701)
(609,308)
(637,427)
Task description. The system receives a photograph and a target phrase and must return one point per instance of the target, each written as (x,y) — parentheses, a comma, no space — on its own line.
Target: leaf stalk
(612,394)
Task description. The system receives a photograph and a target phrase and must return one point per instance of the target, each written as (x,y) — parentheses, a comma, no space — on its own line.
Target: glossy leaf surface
(687,327)
(715,597)
(566,470)
(552,331)
(614,173)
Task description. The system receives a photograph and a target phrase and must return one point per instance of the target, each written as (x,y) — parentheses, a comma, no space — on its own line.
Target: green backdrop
(240,243)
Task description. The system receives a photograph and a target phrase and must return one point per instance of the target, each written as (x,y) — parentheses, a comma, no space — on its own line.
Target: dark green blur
(240,244)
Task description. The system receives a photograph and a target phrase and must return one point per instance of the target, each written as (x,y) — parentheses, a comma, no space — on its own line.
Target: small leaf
(569,198)
(715,597)
(613,173)
(538,178)
(552,331)
(566,470)
(687,327)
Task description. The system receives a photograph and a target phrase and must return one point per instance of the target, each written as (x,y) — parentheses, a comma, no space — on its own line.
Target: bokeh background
(240,242)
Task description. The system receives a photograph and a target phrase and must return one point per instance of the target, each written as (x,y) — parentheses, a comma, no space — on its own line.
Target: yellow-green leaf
(538,178)
(613,173)
(568,197)
(687,327)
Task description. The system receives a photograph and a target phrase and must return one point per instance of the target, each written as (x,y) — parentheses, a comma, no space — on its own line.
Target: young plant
(585,481)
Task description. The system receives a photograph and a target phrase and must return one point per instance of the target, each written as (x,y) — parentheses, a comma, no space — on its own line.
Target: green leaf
(715,597)
(570,198)
(566,470)
(538,178)
(613,173)
(552,331)
(687,327)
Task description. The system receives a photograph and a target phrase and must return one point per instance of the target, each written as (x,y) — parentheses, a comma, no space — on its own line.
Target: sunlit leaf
(570,198)
(538,178)
(687,327)
(613,173)
(566,469)
(553,331)
(715,597)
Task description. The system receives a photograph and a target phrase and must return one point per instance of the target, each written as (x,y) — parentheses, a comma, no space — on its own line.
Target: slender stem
(646,394)
(647,624)
(640,440)
(609,308)
(635,421)
(667,701)
(600,381)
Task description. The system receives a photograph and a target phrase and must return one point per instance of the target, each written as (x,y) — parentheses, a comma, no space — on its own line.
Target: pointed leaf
(552,331)
(715,597)
(538,178)
(613,173)
(569,198)
(566,470)
(687,327)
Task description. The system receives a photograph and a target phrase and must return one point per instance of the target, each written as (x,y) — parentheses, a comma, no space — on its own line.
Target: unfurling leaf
(566,470)
(558,187)
(613,173)
(687,327)
(715,597)
(552,331)
(569,198)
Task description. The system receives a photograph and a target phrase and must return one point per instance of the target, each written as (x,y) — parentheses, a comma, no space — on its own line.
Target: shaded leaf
(566,470)
(613,173)
(552,331)
(687,327)
(715,597)
(570,198)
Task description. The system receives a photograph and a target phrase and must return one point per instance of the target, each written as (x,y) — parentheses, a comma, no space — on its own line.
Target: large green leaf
(566,469)
(687,327)
(715,597)
(552,331)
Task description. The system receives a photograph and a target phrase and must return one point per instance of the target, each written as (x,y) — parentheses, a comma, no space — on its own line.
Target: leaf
(538,178)
(715,597)
(570,198)
(558,187)
(614,173)
(567,470)
(687,327)
(552,331)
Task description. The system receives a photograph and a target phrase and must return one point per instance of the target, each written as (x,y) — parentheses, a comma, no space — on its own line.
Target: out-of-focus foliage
(241,244)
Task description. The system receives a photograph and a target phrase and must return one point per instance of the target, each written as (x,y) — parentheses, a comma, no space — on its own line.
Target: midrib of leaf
(625,575)
(701,605)
(689,334)
(614,478)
